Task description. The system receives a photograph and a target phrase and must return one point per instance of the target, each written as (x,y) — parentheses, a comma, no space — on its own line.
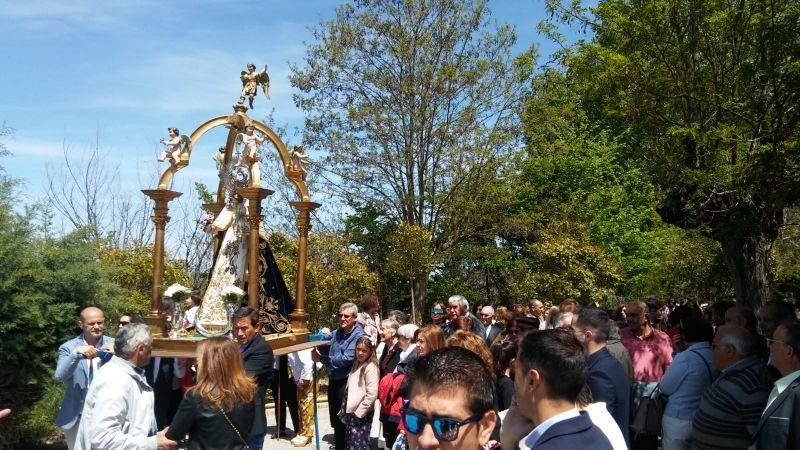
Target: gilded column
(160,217)
(254,196)
(299,317)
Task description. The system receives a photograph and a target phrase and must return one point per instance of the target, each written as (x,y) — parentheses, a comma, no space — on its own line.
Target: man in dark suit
(492,328)
(779,427)
(164,375)
(605,376)
(549,376)
(258,362)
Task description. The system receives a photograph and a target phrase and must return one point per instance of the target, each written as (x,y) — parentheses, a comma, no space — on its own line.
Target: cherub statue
(250,82)
(299,160)
(252,142)
(175,145)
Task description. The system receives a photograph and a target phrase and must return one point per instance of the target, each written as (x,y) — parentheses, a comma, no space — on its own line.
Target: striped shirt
(731,407)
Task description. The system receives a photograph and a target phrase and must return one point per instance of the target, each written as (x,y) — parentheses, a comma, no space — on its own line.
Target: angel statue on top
(229,267)
(175,145)
(250,82)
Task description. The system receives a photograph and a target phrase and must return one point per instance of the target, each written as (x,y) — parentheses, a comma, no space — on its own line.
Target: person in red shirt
(651,354)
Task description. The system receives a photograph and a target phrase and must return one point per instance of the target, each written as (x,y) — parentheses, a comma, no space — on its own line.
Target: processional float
(247,259)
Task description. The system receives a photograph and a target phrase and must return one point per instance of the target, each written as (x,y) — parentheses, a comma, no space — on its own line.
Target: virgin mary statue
(229,267)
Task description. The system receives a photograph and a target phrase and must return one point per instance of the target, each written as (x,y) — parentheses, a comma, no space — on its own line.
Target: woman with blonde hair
(429,338)
(473,343)
(218,412)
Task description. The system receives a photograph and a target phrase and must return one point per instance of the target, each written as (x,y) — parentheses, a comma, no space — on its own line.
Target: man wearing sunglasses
(549,376)
(451,404)
(780,421)
(338,358)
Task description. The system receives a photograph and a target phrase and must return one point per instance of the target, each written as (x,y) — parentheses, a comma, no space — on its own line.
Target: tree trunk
(420,297)
(748,261)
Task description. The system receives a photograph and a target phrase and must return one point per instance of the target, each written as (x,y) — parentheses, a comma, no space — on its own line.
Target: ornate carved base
(187,347)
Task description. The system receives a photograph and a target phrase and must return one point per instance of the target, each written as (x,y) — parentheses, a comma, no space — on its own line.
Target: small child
(362,390)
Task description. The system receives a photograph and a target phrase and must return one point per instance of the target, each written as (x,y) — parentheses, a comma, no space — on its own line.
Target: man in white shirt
(119,413)
(550,374)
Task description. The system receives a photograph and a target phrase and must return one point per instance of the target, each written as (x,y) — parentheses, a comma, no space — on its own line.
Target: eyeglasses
(345,316)
(437,311)
(771,341)
(122,323)
(512,331)
(444,428)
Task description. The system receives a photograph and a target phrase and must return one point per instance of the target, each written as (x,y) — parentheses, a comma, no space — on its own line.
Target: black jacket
(208,429)
(779,427)
(388,361)
(259,362)
(608,383)
(166,390)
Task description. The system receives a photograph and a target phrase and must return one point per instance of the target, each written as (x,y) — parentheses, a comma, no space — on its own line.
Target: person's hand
(515,427)
(4,413)
(302,383)
(109,348)
(316,356)
(162,443)
(87,350)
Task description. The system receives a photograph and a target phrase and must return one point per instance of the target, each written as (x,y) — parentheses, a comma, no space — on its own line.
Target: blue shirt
(690,374)
(341,353)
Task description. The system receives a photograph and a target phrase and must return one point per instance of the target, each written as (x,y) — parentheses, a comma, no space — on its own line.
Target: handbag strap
(710,375)
(235,430)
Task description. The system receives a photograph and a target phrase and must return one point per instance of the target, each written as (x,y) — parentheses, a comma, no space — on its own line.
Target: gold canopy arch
(236,123)
(254,193)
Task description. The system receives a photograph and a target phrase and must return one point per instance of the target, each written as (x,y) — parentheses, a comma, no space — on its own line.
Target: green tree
(705,94)
(412,102)
(132,269)
(335,274)
(410,256)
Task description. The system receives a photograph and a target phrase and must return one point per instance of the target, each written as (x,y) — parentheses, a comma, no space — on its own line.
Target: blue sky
(118,73)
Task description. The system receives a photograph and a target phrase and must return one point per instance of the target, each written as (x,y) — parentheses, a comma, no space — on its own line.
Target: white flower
(175,288)
(232,290)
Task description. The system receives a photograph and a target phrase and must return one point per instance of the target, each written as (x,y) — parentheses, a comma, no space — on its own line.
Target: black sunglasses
(122,323)
(444,428)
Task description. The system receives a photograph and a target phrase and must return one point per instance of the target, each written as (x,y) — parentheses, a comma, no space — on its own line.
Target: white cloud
(37,148)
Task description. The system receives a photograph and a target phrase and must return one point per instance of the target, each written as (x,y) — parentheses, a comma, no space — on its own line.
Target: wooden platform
(186,347)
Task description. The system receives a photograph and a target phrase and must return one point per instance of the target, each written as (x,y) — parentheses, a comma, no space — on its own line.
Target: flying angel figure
(250,82)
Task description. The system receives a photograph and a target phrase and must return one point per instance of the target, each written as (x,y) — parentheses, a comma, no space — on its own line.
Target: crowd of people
(645,375)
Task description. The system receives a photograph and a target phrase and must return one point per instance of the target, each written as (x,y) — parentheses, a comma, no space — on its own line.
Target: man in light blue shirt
(78,361)
(690,373)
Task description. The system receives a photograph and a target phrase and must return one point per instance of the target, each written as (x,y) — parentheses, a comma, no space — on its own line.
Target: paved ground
(325,430)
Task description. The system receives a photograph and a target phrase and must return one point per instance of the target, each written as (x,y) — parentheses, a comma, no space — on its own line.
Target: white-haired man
(458,306)
(119,410)
(492,328)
